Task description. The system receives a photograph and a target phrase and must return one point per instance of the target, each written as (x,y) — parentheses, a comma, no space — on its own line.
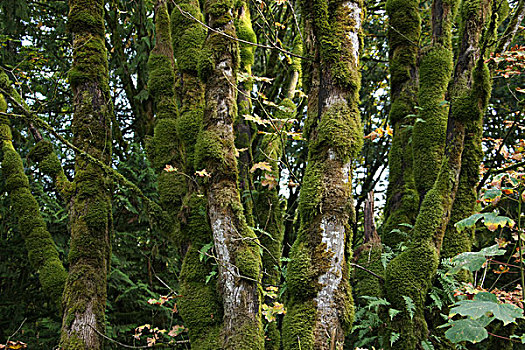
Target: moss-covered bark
(403,36)
(411,273)
(269,212)
(320,306)
(165,148)
(40,246)
(245,131)
(434,75)
(236,246)
(200,305)
(90,209)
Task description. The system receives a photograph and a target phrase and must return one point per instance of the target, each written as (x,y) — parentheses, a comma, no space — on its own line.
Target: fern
(410,306)
(393,338)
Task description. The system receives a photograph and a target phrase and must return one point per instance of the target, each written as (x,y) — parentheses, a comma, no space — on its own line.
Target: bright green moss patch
(429,135)
(339,130)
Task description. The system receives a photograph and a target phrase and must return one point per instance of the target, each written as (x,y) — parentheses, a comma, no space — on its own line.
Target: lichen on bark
(320,306)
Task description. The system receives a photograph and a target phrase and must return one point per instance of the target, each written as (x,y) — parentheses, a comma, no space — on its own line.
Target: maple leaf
(265,166)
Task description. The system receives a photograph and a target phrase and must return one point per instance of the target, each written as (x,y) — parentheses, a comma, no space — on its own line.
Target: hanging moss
(40,246)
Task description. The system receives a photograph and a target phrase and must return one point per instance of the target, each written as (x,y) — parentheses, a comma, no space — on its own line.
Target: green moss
(188,36)
(339,130)
(408,275)
(429,134)
(364,283)
(219,12)
(162,77)
(86,16)
(298,326)
(41,249)
(243,25)
(213,148)
(199,305)
(90,61)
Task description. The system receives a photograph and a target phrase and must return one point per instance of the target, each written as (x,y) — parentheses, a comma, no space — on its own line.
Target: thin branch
(134,346)
(32,117)
(273,47)
(19,327)
(370,272)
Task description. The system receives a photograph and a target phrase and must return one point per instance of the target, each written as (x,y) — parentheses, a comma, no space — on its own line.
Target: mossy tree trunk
(90,207)
(164,149)
(200,305)
(320,307)
(411,273)
(435,73)
(236,246)
(245,130)
(403,36)
(41,248)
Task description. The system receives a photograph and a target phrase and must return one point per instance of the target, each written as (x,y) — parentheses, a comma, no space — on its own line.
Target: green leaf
(492,194)
(473,261)
(374,302)
(467,330)
(427,345)
(468,222)
(493,220)
(483,305)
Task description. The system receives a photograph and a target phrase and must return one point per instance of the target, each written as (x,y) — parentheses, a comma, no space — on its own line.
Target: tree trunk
(411,273)
(90,210)
(320,309)
(236,246)
(402,197)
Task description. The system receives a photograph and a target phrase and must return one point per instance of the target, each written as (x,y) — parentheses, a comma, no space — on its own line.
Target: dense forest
(262,174)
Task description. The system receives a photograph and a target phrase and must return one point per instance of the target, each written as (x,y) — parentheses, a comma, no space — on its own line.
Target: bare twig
(19,327)
(370,272)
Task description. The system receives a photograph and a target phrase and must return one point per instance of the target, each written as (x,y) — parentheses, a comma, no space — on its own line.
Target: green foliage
(473,261)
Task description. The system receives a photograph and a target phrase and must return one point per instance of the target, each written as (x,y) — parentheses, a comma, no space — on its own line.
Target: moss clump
(188,36)
(86,16)
(340,130)
(200,306)
(50,165)
(243,26)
